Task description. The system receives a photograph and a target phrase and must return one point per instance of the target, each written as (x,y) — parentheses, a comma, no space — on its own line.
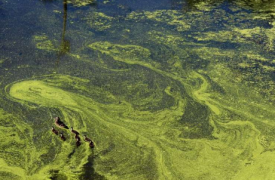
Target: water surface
(169,89)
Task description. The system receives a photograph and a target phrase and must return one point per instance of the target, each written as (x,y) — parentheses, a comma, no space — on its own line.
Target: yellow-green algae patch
(237,140)
(170,17)
(18,156)
(129,141)
(52,153)
(158,144)
(99,21)
(217,122)
(1,62)
(140,144)
(123,52)
(110,129)
(42,42)
(248,103)
(39,93)
(80,3)
(167,39)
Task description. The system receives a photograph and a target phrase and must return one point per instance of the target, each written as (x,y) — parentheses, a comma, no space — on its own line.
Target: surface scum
(163,95)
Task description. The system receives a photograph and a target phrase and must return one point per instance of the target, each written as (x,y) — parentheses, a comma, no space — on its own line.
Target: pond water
(167,89)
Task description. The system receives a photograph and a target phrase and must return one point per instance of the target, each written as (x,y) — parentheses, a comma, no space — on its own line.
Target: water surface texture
(166,89)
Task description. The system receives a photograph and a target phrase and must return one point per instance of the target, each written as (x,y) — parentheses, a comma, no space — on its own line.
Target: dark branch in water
(65,44)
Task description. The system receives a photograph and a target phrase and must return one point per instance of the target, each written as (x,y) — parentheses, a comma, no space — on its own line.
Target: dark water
(168,89)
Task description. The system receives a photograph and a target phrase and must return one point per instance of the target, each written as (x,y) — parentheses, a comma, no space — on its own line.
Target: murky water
(168,89)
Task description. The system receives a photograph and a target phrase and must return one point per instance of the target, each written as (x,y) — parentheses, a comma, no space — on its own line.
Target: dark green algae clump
(201,110)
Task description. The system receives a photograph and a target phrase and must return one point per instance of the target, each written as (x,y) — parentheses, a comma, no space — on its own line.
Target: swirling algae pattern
(149,120)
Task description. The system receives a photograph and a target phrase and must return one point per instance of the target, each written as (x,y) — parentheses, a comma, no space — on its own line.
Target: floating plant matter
(165,93)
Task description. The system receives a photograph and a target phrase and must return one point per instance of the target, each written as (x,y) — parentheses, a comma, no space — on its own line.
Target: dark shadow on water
(89,171)
(223,45)
(196,118)
(71,154)
(48,1)
(55,175)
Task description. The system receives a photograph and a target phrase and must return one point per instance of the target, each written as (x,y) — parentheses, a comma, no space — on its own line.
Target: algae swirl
(164,94)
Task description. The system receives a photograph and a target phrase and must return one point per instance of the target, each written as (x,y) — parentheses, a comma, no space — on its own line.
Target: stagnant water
(166,89)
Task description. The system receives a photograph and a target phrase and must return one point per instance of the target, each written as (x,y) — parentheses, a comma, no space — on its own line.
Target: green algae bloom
(164,94)
(42,42)
(80,3)
(99,21)
(1,62)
